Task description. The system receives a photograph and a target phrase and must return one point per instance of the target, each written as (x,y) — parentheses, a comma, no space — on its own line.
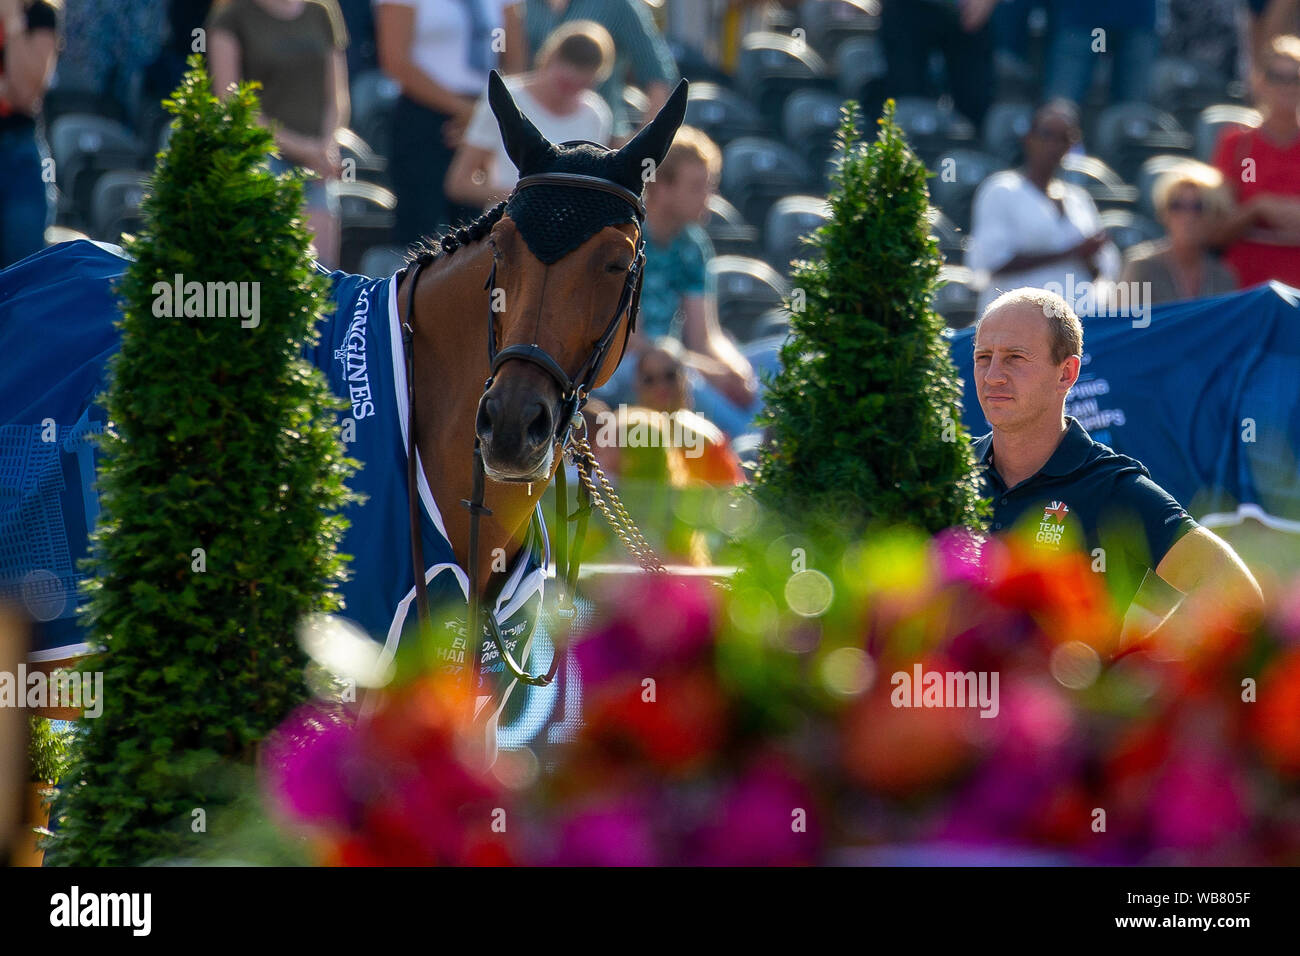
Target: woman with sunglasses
(1030,228)
(1180,266)
(1260,233)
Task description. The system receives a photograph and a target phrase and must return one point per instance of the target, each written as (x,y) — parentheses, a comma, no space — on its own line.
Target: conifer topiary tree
(222,486)
(863,417)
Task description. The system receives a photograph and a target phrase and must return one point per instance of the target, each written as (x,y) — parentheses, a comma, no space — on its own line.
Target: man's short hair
(584,44)
(1063,327)
(690,145)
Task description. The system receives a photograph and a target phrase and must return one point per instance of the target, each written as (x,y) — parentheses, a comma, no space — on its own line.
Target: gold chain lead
(606,499)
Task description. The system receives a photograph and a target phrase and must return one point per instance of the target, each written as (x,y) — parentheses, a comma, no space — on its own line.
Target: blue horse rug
(57,313)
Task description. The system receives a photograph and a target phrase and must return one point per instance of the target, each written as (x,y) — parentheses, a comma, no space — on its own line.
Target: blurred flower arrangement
(767,721)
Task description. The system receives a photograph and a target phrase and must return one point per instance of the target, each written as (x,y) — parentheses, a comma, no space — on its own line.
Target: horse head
(565,272)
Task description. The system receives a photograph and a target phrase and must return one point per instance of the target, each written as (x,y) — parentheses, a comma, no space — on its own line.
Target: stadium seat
(771,323)
(789,222)
(952,242)
(727,229)
(1152,170)
(637,105)
(931,128)
(63,101)
(115,203)
(1126,134)
(695,66)
(366,219)
(722,113)
(1212,121)
(374,95)
(382,260)
(353,147)
(859,66)
(1107,189)
(56,234)
(1127,228)
(1014,79)
(957,174)
(84,147)
(771,66)
(1005,125)
(756,172)
(955,299)
(746,288)
(1185,87)
(809,120)
(829,23)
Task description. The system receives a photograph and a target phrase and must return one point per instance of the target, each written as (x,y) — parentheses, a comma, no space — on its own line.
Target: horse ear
(523,143)
(654,139)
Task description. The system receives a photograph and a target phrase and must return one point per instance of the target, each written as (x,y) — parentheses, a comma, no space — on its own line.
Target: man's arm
(1213,579)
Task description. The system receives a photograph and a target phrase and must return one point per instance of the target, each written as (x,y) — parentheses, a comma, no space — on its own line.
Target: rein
(594,487)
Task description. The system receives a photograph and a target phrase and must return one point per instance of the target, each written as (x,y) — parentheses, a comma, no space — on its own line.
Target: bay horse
(493,336)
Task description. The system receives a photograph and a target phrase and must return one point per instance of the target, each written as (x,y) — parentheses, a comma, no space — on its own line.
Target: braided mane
(428,249)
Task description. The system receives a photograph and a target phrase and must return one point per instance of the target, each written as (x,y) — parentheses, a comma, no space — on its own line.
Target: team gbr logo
(1052,526)
(353,356)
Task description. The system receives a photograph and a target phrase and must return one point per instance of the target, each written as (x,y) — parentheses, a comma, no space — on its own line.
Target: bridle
(574,390)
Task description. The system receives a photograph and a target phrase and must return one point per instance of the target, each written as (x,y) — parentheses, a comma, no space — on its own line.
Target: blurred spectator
(1082,30)
(108,44)
(641,53)
(1205,32)
(1028,228)
(559,99)
(702,455)
(1261,168)
(1179,266)
(164,74)
(960,29)
(295,49)
(715,29)
(359,20)
(28,42)
(1270,19)
(724,388)
(1010,24)
(440,51)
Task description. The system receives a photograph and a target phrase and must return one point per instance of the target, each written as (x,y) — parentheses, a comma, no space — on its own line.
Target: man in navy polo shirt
(1051,482)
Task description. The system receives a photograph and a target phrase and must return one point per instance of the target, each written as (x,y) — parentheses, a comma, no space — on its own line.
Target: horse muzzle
(517,437)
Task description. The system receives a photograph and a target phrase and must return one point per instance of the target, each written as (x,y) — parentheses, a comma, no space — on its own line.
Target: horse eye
(616,267)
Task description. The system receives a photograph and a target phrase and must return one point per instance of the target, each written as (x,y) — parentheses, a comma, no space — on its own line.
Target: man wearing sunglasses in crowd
(1030,228)
(1260,235)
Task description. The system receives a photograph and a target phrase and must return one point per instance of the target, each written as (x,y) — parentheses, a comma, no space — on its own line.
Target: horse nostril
(487,411)
(540,425)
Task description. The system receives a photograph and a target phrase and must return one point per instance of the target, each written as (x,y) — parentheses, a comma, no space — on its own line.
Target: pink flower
(304,767)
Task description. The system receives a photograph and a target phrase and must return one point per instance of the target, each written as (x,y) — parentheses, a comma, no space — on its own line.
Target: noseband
(574,390)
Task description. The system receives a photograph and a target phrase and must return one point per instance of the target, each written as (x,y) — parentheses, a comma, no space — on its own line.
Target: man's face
(1015,377)
(567,79)
(686,196)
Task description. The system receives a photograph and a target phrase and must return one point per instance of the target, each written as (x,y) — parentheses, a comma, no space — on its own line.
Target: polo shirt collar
(1070,454)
